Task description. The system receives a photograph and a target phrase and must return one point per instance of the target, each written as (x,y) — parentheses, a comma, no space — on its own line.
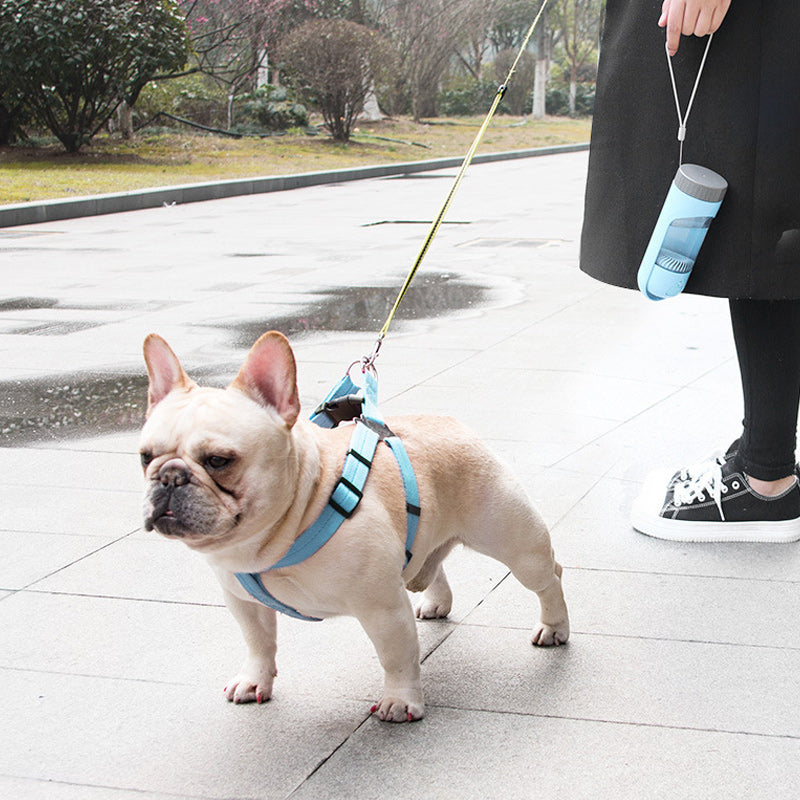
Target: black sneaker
(716,505)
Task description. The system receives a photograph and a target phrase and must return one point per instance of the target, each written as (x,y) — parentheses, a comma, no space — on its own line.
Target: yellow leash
(368,361)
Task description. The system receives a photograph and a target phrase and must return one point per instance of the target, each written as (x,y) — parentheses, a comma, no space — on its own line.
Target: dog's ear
(164,371)
(269,376)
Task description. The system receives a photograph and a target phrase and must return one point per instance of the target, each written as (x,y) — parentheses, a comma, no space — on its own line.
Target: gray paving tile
(474,755)
(689,608)
(28,556)
(720,687)
(154,739)
(77,510)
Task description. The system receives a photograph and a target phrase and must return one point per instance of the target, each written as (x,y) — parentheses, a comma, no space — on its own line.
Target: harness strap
(343,501)
(341,404)
(412,491)
(252,583)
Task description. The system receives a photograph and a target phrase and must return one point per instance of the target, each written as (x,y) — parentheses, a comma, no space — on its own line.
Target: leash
(369,361)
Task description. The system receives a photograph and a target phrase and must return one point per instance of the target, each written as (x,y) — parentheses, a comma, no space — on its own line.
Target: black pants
(767,336)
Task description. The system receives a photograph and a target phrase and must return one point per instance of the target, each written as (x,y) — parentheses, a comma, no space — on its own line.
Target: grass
(160,159)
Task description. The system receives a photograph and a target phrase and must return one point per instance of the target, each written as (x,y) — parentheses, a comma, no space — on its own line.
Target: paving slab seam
(614,722)
(106,787)
(29,589)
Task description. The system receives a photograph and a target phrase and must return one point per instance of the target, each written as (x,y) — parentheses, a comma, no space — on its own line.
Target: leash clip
(368,362)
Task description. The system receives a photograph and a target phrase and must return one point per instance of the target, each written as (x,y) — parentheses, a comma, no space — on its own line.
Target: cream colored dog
(237,476)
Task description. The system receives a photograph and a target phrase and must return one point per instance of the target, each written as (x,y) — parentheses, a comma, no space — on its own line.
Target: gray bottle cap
(702,183)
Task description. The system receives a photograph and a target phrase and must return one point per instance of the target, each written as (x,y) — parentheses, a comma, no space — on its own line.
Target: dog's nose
(174,473)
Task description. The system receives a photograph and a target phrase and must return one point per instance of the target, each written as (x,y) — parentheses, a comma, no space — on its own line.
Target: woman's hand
(691,17)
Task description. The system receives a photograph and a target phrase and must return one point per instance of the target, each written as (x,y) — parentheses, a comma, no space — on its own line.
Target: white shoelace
(700,468)
(706,479)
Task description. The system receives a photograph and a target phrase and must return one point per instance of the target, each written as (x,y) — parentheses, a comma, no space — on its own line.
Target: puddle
(71,406)
(365,308)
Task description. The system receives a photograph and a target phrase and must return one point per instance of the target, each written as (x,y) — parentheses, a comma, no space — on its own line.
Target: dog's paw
(251,685)
(430,608)
(396,709)
(549,636)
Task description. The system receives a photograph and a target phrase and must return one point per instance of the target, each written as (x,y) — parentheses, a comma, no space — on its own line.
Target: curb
(53,210)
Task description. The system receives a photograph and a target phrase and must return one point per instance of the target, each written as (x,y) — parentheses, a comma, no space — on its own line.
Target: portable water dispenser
(692,203)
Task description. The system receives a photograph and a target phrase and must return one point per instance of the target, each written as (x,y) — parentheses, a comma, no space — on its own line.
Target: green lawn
(161,159)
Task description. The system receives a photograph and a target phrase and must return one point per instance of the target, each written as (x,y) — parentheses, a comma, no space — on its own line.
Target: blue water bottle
(692,203)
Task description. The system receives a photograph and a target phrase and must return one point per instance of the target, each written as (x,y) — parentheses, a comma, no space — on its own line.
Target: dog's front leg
(259,626)
(391,626)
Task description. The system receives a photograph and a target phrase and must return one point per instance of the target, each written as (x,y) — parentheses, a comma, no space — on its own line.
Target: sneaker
(715,505)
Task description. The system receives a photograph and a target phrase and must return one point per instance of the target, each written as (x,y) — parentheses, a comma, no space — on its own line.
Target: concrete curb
(53,210)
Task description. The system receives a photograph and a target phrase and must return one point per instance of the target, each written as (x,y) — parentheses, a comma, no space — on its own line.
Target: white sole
(645,519)
(781,532)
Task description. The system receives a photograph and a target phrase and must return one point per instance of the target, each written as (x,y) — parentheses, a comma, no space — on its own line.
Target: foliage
(13,115)
(88,56)
(333,64)
(270,108)
(558,101)
(519,93)
(193,97)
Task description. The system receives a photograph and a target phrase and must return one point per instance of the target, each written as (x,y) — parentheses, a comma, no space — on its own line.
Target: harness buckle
(354,490)
(341,409)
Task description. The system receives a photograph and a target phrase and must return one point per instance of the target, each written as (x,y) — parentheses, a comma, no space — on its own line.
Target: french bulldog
(237,475)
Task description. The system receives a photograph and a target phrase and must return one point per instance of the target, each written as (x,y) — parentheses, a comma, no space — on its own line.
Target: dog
(237,475)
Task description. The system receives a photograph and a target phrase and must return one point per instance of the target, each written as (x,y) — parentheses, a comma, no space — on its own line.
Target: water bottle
(692,203)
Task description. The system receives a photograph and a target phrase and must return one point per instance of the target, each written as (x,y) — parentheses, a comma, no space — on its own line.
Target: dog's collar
(369,430)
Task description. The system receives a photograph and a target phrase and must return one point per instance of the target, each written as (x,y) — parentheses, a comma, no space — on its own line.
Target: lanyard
(683,119)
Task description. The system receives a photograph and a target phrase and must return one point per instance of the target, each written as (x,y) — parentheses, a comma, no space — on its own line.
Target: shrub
(557,101)
(333,64)
(269,108)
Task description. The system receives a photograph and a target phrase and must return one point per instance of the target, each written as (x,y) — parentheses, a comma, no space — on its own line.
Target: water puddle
(75,405)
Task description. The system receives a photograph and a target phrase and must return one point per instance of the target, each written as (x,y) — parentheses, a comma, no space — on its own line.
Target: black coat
(745,125)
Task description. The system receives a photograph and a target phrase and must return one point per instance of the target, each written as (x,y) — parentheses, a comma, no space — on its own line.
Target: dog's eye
(146,457)
(217,462)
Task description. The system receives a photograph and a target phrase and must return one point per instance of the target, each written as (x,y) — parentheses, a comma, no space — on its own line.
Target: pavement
(680,678)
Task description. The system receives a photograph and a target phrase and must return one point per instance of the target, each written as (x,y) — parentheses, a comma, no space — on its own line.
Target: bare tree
(578,24)
(426,36)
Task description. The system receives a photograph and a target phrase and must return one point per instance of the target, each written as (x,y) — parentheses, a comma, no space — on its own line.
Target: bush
(518,99)
(466,100)
(333,64)
(557,101)
(269,108)
(193,97)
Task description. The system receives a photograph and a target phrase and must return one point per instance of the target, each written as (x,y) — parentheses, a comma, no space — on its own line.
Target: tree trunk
(542,68)
(231,96)
(573,89)
(125,120)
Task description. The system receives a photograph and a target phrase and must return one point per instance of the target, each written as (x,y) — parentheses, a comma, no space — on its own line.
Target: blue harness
(344,402)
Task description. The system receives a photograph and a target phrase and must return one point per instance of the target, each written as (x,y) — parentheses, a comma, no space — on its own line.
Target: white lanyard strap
(683,119)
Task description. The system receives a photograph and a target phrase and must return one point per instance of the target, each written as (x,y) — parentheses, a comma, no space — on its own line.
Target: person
(744,125)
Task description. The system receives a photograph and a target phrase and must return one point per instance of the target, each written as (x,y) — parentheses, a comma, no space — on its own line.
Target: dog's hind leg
(510,530)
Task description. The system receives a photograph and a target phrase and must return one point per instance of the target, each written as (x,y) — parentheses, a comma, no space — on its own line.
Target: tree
(578,23)
(76,60)
(333,64)
(12,113)
(427,36)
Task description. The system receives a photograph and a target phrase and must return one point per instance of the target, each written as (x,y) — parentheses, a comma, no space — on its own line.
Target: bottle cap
(702,183)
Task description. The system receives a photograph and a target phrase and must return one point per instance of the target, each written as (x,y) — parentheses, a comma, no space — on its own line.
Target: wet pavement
(680,679)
